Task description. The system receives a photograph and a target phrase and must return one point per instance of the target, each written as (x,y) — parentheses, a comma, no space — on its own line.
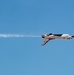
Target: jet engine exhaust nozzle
(43,36)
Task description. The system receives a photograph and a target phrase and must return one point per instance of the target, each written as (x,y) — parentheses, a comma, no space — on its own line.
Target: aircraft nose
(43,36)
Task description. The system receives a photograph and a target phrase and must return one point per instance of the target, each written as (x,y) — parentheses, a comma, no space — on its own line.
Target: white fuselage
(63,36)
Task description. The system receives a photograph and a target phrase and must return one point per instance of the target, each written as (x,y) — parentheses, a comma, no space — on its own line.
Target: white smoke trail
(18,36)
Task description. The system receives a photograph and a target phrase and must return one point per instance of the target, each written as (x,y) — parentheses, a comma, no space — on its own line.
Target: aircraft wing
(45,41)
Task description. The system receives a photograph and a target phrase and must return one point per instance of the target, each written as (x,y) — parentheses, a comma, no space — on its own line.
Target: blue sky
(26,56)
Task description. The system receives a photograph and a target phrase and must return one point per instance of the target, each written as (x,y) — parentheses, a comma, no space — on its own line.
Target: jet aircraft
(51,36)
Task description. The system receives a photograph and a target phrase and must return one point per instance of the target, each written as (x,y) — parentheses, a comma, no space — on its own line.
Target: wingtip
(42,44)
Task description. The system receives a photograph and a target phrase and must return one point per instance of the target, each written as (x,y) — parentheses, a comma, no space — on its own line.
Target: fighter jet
(50,36)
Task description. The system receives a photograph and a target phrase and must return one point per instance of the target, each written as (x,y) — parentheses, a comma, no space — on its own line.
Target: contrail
(18,36)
